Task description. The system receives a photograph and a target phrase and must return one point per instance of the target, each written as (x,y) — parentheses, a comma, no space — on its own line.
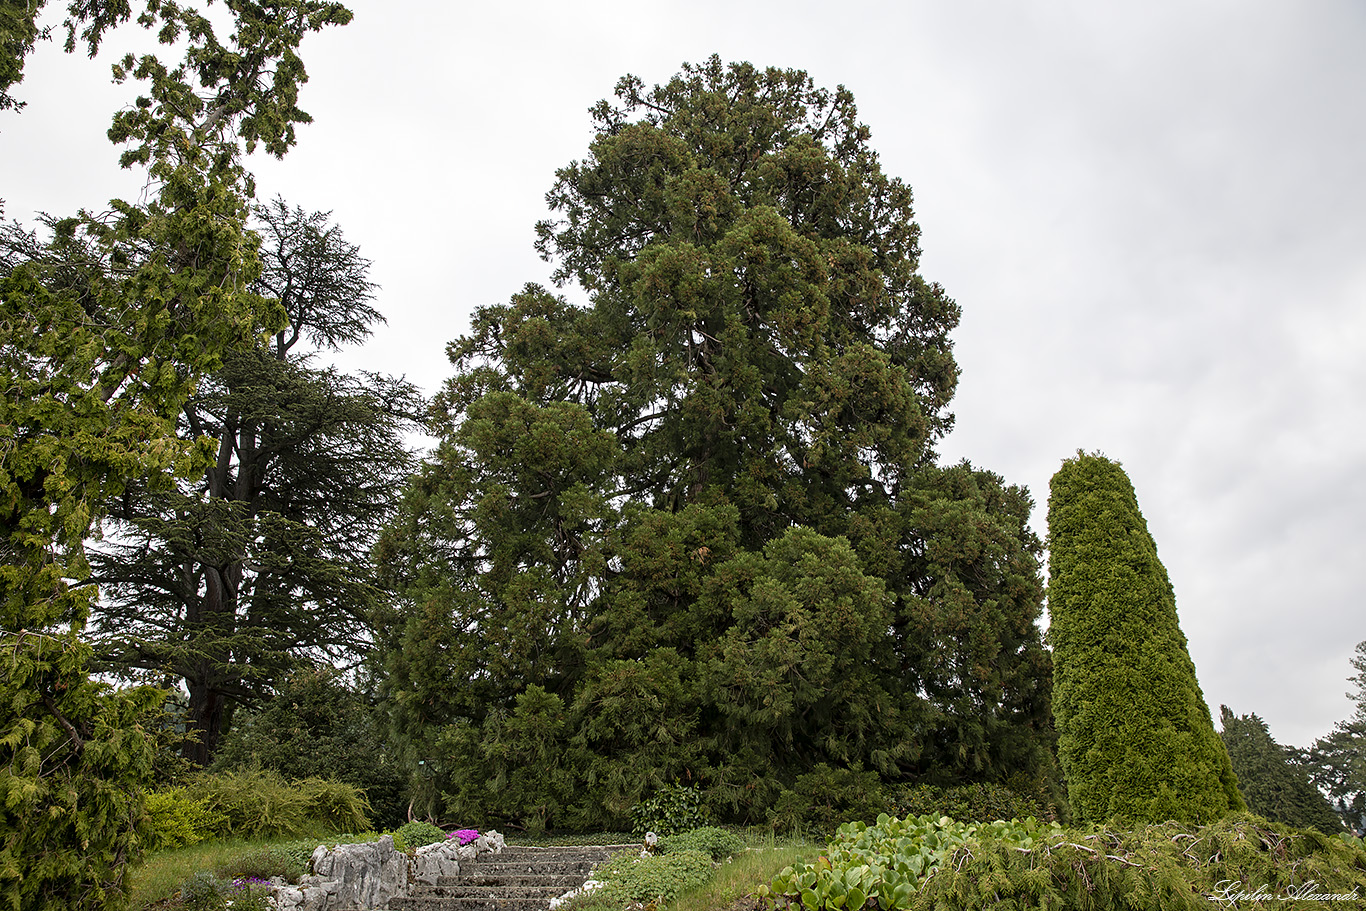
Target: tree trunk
(206,717)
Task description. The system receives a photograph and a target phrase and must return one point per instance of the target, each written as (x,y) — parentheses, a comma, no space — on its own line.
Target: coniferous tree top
(758,321)
(1270,781)
(1135,737)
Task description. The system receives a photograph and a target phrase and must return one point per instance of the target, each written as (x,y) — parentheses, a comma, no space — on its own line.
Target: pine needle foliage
(1135,738)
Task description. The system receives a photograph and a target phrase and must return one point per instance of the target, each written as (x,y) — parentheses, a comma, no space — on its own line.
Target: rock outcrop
(367,876)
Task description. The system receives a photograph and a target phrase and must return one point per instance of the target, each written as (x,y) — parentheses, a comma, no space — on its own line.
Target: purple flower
(465,836)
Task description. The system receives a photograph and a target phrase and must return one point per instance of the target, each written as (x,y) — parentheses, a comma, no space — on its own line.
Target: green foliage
(823,798)
(265,863)
(696,519)
(207,892)
(514,763)
(886,864)
(1337,763)
(971,803)
(105,328)
(315,726)
(1135,738)
(174,819)
(335,806)
(711,840)
(672,810)
(657,878)
(257,803)
(415,834)
(18,33)
(1270,781)
(73,760)
(1153,868)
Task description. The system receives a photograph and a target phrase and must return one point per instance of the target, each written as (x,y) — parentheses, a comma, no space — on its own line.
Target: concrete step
(515,879)
(536,867)
(520,878)
(427,902)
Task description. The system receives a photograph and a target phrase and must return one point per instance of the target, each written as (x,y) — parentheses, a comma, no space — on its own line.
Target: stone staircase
(516,879)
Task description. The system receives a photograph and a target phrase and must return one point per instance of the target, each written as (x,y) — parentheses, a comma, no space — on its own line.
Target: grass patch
(734,882)
(737,879)
(162,873)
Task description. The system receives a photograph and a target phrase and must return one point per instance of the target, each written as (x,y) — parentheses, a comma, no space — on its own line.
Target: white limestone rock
(432,861)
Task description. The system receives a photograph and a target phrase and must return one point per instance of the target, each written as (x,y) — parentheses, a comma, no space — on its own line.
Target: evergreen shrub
(261,804)
(415,834)
(976,802)
(1165,867)
(711,840)
(819,801)
(672,810)
(174,820)
(1135,739)
(336,806)
(316,726)
(930,865)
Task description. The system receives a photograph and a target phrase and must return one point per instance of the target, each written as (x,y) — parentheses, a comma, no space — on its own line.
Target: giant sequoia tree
(1135,737)
(693,529)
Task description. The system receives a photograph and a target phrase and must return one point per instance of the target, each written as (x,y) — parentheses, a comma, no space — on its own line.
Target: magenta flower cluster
(465,836)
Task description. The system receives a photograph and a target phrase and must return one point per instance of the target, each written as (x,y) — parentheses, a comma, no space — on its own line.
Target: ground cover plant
(924,864)
(888,862)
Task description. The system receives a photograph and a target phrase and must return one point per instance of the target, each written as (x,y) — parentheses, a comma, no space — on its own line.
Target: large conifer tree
(261,563)
(695,526)
(1135,737)
(1270,780)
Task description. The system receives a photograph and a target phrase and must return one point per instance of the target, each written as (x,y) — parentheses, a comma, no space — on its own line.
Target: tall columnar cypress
(1135,738)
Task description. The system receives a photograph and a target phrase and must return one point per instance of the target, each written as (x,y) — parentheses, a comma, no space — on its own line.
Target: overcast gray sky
(1153,216)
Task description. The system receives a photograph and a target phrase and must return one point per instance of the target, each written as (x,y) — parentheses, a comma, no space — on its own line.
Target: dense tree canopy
(1135,738)
(262,562)
(693,528)
(1269,778)
(105,328)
